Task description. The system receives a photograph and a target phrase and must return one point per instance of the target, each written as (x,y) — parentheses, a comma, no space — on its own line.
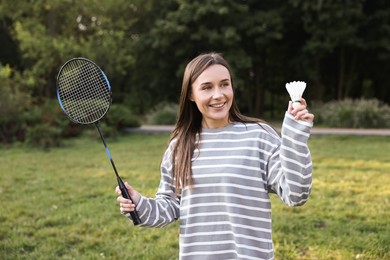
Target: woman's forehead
(213,73)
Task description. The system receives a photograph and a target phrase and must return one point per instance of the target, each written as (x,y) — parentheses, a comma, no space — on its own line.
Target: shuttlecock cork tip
(295,89)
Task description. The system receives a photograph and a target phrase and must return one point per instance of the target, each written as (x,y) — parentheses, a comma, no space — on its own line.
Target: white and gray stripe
(226,214)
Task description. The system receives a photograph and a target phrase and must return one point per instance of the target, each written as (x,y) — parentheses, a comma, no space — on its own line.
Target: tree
(143,46)
(342,37)
(241,30)
(50,32)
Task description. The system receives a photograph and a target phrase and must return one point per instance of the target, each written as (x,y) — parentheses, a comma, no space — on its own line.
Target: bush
(163,114)
(44,135)
(349,113)
(46,124)
(119,117)
(14,101)
(39,122)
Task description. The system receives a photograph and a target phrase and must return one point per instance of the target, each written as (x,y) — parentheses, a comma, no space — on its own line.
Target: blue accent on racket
(108,153)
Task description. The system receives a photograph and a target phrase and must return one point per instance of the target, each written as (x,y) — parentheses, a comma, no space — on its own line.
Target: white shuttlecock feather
(295,89)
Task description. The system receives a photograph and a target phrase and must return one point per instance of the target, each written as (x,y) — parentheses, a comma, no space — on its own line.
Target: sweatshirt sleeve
(164,208)
(290,164)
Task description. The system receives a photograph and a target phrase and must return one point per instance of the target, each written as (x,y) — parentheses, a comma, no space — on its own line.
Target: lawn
(60,203)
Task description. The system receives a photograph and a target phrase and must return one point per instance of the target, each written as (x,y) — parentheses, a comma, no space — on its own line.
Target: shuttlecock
(295,89)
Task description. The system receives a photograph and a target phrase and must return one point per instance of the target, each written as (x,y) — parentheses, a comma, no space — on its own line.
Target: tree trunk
(350,77)
(318,87)
(258,94)
(340,87)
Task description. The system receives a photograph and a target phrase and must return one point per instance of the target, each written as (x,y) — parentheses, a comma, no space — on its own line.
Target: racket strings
(84,91)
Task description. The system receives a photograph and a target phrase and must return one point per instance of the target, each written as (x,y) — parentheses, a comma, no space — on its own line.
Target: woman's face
(213,94)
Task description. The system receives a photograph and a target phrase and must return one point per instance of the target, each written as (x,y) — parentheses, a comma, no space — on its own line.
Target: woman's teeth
(218,105)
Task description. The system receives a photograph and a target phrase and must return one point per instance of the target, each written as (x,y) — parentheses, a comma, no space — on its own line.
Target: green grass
(60,203)
(348,213)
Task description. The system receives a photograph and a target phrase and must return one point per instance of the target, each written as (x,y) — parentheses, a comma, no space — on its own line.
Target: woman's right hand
(126,205)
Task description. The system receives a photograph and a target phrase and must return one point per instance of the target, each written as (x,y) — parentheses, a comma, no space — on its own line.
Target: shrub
(349,113)
(22,118)
(14,102)
(163,114)
(46,124)
(43,135)
(119,116)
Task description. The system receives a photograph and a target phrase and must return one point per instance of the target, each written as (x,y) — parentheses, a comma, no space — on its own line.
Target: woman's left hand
(300,112)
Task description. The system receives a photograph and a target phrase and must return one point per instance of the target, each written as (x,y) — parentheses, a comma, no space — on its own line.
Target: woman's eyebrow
(205,84)
(209,82)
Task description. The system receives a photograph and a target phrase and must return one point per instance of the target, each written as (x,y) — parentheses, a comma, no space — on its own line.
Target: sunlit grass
(347,216)
(61,203)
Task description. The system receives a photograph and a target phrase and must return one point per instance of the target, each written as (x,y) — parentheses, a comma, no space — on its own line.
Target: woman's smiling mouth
(219,105)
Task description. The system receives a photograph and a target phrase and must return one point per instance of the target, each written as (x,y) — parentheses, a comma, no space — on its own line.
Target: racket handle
(134,214)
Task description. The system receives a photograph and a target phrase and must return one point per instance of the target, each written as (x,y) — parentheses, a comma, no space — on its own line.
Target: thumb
(132,192)
(128,187)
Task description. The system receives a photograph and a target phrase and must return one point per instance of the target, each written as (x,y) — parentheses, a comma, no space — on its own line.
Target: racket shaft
(122,187)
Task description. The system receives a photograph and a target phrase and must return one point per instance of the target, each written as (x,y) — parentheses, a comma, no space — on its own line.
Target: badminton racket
(85,96)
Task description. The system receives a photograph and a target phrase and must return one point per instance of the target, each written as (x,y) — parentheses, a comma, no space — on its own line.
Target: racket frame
(134,214)
(58,91)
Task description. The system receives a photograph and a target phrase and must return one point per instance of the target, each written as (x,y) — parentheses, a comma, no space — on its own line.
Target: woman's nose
(217,93)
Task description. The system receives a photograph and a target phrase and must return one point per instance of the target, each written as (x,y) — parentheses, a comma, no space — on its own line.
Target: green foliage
(354,114)
(14,102)
(143,46)
(40,121)
(115,121)
(43,135)
(119,116)
(163,114)
(23,118)
(46,125)
(66,208)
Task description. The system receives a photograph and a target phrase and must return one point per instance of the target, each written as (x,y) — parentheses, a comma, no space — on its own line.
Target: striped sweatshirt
(226,214)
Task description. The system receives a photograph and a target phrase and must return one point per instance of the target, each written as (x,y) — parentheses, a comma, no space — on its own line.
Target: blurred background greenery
(340,48)
(60,202)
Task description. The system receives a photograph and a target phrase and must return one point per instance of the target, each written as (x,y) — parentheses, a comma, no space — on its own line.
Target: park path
(315,131)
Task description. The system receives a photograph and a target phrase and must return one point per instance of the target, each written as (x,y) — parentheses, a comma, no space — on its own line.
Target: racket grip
(134,214)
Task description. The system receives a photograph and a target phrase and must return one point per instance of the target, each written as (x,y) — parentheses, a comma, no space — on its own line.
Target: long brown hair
(189,122)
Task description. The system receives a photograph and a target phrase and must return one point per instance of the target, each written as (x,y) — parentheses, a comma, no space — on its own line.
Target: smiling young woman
(212,93)
(220,167)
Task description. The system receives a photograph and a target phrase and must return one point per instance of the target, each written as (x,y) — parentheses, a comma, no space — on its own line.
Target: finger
(290,107)
(122,200)
(303,101)
(301,105)
(298,109)
(117,190)
(125,211)
(301,113)
(308,117)
(126,208)
(126,205)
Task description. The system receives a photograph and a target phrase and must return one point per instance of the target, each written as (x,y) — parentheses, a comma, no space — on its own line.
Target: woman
(220,166)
